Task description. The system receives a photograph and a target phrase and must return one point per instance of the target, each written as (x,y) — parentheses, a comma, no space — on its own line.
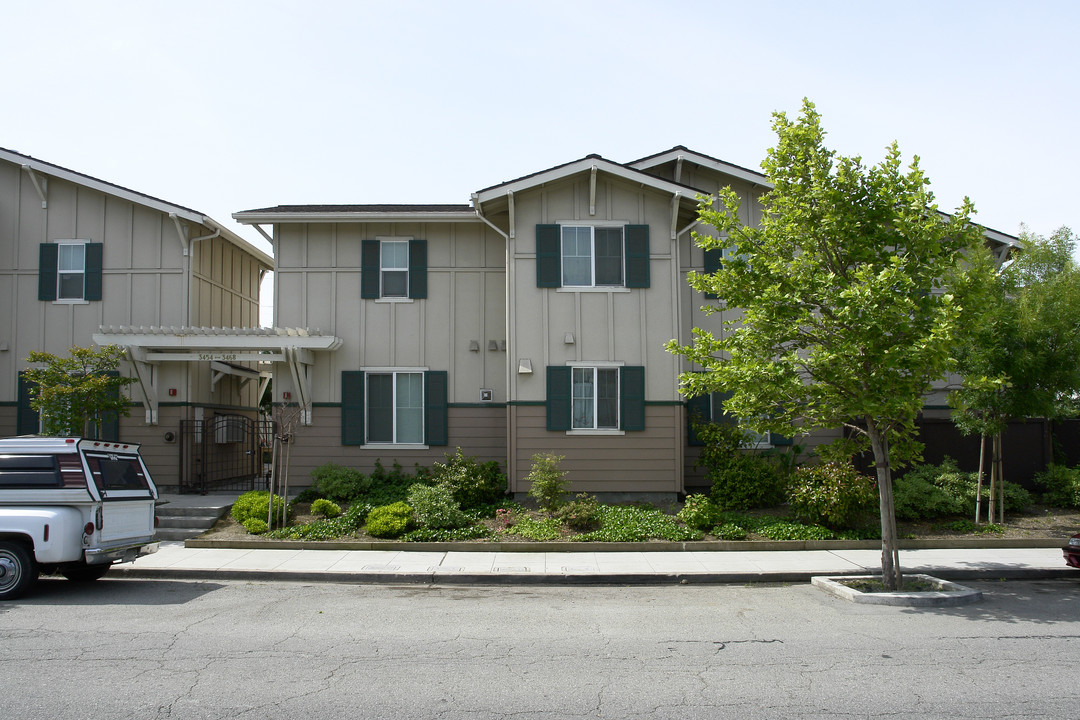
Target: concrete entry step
(181,517)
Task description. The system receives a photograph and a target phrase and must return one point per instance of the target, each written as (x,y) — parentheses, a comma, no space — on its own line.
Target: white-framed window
(395,407)
(394,268)
(594,398)
(754,439)
(592,256)
(70,271)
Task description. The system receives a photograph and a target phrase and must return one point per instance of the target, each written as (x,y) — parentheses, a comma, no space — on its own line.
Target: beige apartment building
(85,262)
(532,319)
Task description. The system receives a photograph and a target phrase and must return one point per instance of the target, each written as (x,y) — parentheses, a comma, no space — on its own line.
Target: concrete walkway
(174,560)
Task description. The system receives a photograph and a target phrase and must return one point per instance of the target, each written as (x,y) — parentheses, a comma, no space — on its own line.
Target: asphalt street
(166,648)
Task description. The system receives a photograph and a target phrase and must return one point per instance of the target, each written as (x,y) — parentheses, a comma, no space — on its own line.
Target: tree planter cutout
(941,592)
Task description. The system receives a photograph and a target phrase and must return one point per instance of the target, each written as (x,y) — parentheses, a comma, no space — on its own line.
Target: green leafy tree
(843,318)
(1021,358)
(74,393)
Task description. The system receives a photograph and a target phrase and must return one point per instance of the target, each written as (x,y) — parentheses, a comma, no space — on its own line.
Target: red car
(1072,551)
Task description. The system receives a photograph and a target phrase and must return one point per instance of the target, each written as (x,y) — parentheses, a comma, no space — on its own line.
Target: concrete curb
(656,546)
(552,579)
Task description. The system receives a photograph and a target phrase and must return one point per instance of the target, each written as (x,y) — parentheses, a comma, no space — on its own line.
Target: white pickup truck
(71,506)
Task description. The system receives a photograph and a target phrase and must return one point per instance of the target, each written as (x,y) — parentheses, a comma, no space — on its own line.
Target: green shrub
(548,484)
(623,523)
(389,521)
(581,514)
(917,498)
(533,529)
(391,486)
(741,479)
(256,504)
(698,512)
(326,508)
(832,494)
(1060,486)
(434,507)
(255,526)
(339,483)
(930,491)
(472,484)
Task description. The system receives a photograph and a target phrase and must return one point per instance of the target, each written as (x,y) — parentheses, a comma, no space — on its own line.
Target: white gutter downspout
(511,343)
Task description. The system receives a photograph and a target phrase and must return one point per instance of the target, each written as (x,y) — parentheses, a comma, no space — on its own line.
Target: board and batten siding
(317,285)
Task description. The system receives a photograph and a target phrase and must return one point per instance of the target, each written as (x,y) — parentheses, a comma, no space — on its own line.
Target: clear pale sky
(226,105)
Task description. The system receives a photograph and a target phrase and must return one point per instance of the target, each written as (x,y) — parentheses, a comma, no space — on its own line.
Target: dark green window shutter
(436,422)
(698,409)
(637,256)
(92,277)
(352,407)
(632,398)
(27,421)
(369,268)
(778,439)
(548,256)
(713,259)
(48,254)
(718,413)
(558,398)
(418,269)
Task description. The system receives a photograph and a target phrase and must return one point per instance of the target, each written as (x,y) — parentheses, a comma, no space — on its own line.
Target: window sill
(71,302)
(394,446)
(600,289)
(394,300)
(611,431)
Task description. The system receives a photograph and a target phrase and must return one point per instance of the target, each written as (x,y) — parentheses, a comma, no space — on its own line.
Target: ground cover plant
(819,502)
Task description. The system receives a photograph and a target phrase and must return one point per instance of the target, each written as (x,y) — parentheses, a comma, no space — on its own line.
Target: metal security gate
(225,453)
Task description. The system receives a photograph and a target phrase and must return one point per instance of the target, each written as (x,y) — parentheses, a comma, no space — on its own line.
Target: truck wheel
(18,570)
(84,572)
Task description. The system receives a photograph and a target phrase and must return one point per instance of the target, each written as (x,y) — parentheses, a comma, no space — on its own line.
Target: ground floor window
(395,407)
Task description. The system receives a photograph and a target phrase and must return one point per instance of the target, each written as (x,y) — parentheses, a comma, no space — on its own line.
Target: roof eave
(741,173)
(258,218)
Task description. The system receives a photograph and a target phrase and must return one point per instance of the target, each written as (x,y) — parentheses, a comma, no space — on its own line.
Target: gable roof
(685,153)
(584,164)
(46,168)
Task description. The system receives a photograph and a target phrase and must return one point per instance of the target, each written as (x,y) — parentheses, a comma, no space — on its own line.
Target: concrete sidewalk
(173,560)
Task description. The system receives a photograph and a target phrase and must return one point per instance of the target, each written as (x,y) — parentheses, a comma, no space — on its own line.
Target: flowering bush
(698,512)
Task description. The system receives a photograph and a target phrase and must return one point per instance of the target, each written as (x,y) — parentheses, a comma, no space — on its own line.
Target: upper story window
(583,256)
(393,268)
(592,256)
(69,271)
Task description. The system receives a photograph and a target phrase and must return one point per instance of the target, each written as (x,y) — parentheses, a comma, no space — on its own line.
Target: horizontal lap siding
(479,432)
(162,458)
(647,461)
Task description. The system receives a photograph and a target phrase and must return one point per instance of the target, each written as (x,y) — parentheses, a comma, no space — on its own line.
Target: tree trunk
(890,552)
(1000,478)
(978,491)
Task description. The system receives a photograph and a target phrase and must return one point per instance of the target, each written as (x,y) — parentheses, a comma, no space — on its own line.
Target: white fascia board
(621,171)
(101,186)
(137,198)
(256,218)
(720,166)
